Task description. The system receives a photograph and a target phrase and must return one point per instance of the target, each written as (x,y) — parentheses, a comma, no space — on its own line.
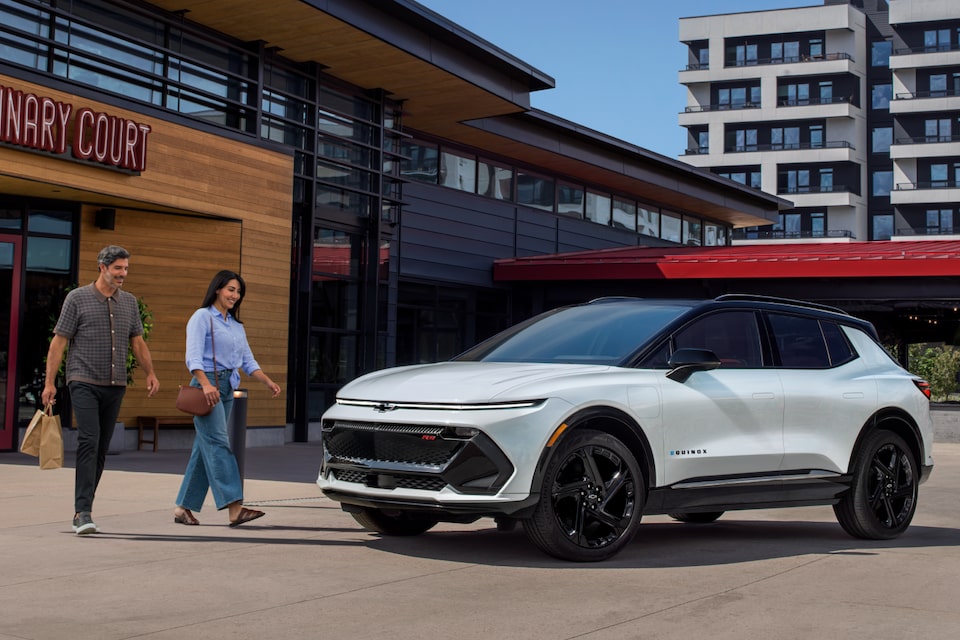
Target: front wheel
(393,523)
(883,494)
(590,500)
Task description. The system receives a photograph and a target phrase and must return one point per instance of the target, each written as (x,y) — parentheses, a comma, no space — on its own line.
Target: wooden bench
(154,423)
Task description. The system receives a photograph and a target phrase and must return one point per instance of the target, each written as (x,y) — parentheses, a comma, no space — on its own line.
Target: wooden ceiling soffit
(438,84)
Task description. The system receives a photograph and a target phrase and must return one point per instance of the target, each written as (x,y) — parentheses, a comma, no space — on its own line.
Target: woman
(217,341)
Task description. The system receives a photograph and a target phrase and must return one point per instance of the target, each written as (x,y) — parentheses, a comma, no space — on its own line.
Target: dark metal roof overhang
(890,259)
(562,146)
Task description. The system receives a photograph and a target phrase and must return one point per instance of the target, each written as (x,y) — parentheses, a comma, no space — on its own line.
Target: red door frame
(10,424)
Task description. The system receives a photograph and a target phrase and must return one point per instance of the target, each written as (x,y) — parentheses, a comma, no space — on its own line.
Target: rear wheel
(883,494)
(590,501)
(393,523)
(699,518)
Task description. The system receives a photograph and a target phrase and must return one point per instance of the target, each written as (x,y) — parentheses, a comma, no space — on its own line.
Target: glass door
(10,279)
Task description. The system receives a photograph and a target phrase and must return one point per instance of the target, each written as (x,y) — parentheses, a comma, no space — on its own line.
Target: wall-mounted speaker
(105,219)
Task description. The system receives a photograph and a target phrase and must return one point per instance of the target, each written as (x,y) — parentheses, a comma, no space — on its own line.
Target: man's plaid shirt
(99,330)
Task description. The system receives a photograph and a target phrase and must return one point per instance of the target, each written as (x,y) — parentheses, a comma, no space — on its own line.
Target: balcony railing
(932,184)
(788,60)
(802,102)
(745,234)
(722,107)
(696,151)
(793,146)
(937,48)
(929,139)
(696,67)
(928,231)
(816,188)
(941,93)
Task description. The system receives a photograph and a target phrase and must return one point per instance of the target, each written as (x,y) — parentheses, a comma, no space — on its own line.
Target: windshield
(598,333)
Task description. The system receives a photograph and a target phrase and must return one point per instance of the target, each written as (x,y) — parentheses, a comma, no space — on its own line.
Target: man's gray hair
(110,254)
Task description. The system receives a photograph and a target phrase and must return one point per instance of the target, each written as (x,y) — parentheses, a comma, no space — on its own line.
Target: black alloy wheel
(591,499)
(883,495)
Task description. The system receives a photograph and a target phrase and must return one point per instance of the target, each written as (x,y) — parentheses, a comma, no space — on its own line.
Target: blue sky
(615,62)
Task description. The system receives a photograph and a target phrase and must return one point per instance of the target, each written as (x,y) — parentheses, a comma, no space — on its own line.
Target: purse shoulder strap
(213,348)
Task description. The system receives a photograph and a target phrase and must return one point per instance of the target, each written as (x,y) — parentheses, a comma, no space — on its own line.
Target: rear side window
(731,335)
(799,342)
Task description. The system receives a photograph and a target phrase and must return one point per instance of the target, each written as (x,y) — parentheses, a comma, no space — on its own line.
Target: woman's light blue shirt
(233,352)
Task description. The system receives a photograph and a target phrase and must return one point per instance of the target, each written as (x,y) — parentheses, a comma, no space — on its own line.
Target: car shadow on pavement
(668,545)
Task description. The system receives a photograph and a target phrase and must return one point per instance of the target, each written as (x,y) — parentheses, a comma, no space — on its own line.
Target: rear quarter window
(838,346)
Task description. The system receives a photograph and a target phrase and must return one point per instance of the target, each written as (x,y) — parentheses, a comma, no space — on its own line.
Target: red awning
(822,260)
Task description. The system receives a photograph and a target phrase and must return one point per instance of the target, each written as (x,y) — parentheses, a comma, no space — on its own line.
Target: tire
(393,523)
(591,499)
(698,518)
(883,493)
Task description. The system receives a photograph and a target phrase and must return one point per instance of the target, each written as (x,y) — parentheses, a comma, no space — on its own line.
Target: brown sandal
(185,518)
(246,515)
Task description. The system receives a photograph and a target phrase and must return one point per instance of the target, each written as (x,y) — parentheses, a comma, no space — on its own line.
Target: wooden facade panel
(186,169)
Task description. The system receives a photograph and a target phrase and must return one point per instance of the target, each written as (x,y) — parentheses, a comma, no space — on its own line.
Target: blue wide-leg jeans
(212,463)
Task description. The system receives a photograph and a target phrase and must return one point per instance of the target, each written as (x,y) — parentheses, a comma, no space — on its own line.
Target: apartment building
(850,110)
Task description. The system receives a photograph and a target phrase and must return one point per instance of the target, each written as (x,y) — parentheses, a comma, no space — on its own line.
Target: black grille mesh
(408,444)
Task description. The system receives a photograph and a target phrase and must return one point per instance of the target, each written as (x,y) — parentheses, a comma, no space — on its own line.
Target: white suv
(578,421)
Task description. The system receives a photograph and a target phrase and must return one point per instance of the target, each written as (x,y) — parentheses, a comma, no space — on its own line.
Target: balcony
(928,192)
(833,188)
(791,146)
(721,107)
(696,151)
(925,147)
(780,234)
(803,102)
(928,231)
(922,57)
(788,60)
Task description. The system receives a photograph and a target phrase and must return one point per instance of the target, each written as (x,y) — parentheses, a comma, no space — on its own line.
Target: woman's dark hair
(219,282)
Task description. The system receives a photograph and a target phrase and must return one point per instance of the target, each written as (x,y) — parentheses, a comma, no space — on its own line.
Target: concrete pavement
(307,570)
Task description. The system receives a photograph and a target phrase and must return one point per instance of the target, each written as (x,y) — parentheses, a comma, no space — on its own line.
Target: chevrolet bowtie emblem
(383,407)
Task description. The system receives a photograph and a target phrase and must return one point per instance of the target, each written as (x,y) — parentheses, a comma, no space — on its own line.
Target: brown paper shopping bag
(30,444)
(51,442)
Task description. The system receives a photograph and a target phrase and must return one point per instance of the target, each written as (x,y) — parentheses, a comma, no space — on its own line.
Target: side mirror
(686,362)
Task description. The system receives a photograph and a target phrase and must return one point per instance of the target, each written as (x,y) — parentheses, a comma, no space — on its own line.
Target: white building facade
(851,110)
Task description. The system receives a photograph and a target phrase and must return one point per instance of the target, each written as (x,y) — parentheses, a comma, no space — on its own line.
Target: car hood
(464,382)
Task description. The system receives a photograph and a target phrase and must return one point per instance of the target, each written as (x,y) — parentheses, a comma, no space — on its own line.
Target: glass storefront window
(58,222)
(421,162)
(692,229)
(598,208)
(670,228)
(11,219)
(458,171)
(624,214)
(494,181)
(50,255)
(570,200)
(648,222)
(535,191)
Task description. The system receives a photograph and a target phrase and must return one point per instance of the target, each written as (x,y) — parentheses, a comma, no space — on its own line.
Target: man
(97,321)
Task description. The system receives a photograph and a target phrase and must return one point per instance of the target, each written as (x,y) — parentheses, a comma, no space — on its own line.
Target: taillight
(923,385)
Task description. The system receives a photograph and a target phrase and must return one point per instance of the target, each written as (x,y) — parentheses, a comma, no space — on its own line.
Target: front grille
(404,444)
(411,456)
